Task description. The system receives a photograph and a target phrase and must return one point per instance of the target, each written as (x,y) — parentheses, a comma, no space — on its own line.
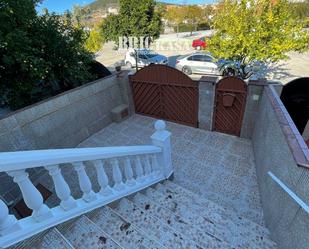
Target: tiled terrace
(217,166)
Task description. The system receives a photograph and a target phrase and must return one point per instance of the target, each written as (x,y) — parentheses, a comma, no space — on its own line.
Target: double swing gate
(163,92)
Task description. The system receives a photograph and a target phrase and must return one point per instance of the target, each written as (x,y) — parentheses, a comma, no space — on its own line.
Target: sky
(60,6)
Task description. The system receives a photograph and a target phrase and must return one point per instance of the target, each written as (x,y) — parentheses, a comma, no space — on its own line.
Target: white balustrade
(128,172)
(84,182)
(117,176)
(102,178)
(139,169)
(8,223)
(62,188)
(152,164)
(31,195)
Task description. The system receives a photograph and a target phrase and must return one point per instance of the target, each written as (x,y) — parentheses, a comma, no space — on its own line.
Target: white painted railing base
(60,216)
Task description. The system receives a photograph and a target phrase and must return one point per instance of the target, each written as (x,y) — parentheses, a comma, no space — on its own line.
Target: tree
(110,28)
(40,55)
(175,15)
(263,30)
(193,15)
(94,41)
(136,18)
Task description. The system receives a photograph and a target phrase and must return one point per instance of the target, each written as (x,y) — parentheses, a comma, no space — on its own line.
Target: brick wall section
(61,122)
(279,148)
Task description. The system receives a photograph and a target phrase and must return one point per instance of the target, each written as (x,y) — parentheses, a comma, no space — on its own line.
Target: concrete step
(201,237)
(154,227)
(83,233)
(48,239)
(182,205)
(224,212)
(121,230)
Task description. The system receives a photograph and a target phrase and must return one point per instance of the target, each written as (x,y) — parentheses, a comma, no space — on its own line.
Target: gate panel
(230,102)
(180,104)
(164,92)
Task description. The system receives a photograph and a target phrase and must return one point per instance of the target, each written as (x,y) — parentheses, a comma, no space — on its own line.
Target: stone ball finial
(160,125)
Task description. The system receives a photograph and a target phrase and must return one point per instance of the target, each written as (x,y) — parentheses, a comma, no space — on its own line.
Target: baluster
(62,188)
(102,178)
(147,166)
(31,195)
(84,182)
(8,223)
(139,170)
(128,172)
(119,185)
(155,164)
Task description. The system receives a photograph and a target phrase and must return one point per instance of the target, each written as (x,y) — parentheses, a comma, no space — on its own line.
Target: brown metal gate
(163,92)
(230,101)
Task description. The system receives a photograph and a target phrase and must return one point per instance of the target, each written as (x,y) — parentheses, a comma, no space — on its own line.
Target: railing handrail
(294,196)
(31,159)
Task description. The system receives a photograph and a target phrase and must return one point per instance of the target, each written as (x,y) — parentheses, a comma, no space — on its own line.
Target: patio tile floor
(217,166)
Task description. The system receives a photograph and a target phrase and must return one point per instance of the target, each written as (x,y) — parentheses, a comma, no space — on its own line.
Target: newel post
(162,138)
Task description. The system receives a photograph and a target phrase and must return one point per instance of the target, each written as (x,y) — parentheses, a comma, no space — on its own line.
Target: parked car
(205,63)
(144,57)
(201,63)
(199,43)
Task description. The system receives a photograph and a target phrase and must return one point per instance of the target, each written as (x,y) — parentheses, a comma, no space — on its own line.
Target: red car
(199,43)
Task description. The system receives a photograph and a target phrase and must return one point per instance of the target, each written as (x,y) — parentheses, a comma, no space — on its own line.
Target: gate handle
(228,99)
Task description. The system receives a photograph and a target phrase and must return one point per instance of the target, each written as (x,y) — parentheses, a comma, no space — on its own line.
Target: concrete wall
(206,102)
(62,121)
(306,132)
(279,148)
(254,95)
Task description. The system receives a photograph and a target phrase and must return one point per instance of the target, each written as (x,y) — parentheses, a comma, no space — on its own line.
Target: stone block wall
(63,121)
(206,102)
(279,148)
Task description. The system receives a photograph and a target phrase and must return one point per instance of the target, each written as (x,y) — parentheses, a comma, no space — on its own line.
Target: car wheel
(129,64)
(198,47)
(229,72)
(187,70)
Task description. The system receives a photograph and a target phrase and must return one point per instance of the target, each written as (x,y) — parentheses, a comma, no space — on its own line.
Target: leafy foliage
(94,41)
(135,18)
(261,30)
(40,56)
(110,28)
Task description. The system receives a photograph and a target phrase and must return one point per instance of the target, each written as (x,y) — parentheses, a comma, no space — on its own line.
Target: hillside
(101,4)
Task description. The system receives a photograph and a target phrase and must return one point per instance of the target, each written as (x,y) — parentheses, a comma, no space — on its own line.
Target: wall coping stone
(295,141)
